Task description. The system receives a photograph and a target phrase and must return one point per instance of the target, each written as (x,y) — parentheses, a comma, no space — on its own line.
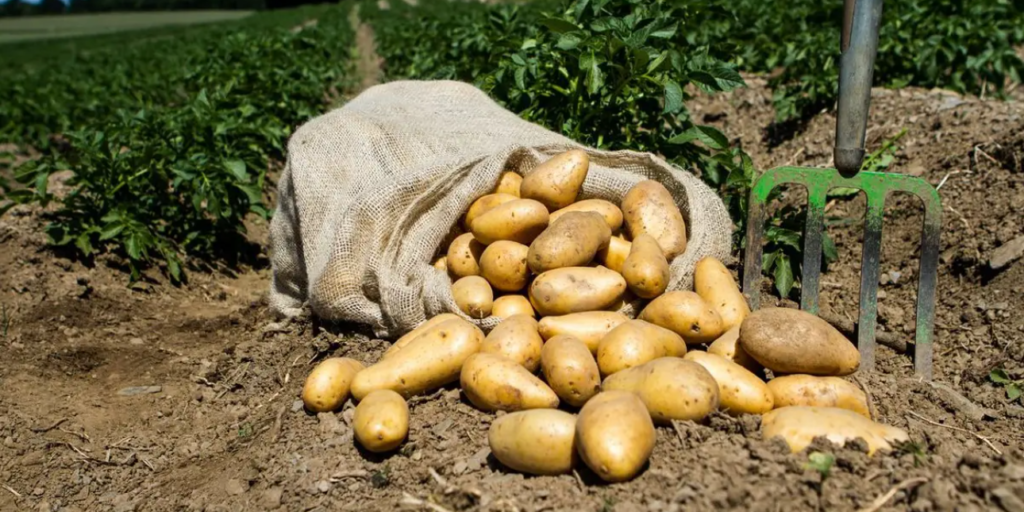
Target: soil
(155,397)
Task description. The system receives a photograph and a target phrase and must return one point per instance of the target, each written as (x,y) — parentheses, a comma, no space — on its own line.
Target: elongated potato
(474,296)
(727,345)
(510,305)
(415,333)
(740,391)
(442,264)
(612,214)
(381,421)
(588,327)
(646,269)
(503,264)
(519,221)
(649,208)
(799,425)
(573,241)
(686,314)
(557,181)
(570,369)
(463,256)
(713,282)
(509,183)
(615,435)
(819,392)
(670,387)
(430,361)
(790,341)
(537,441)
(516,339)
(634,343)
(327,386)
(614,256)
(485,204)
(576,289)
(493,383)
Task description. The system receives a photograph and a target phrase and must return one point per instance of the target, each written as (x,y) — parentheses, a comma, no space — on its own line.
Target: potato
(670,387)
(570,369)
(484,204)
(509,183)
(442,264)
(799,425)
(573,241)
(493,383)
(646,269)
(634,343)
(516,339)
(649,208)
(557,181)
(474,296)
(327,386)
(713,282)
(511,305)
(739,391)
(428,362)
(588,327)
(463,256)
(727,346)
(612,214)
(503,264)
(537,441)
(686,314)
(614,256)
(819,392)
(381,421)
(788,340)
(575,289)
(415,333)
(519,221)
(615,435)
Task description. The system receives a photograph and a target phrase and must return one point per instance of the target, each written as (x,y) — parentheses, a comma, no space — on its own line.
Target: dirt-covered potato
(493,383)
(646,269)
(588,327)
(727,345)
(428,362)
(739,391)
(634,343)
(557,181)
(670,387)
(511,305)
(463,256)
(713,282)
(799,425)
(615,435)
(614,256)
(516,339)
(686,314)
(537,441)
(485,204)
(575,289)
(509,183)
(519,221)
(441,264)
(819,392)
(789,341)
(503,264)
(415,333)
(572,241)
(570,369)
(474,296)
(327,386)
(648,207)
(612,214)
(381,421)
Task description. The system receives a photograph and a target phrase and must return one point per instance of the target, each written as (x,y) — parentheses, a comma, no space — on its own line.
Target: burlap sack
(372,191)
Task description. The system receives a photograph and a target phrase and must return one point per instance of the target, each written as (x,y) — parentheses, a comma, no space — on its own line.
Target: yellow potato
(570,369)
(463,256)
(442,264)
(686,314)
(493,383)
(415,333)
(727,346)
(327,386)
(503,264)
(519,221)
(713,282)
(646,269)
(474,296)
(537,441)
(511,305)
(509,183)
(573,241)
(740,391)
(799,425)
(576,289)
(485,204)
(612,214)
(614,256)
(615,435)
(516,339)
(789,341)
(649,208)
(381,421)
(634,343)
(588,327)
(430,361)
(557,181)
(670,387)
(819,392)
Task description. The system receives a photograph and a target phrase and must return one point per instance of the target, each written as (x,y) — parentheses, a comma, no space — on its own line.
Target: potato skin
(713,282)
(634,343)
(799,425)
(510,305)
(430,361)
(493,383)
(415,333)
(381,421)
(503,264)
(516,339)
(576,289)
(327,386)
(646,269)
(614,256)
(536,441)
(615,435)
(671,388)
(612,214)
(519,221)
(570,369)
(474,296)
(485,204)
(686,314)
(740,391)
(463,256)
(819,392)
(509,183)
(557,181)
(727,345)
(572,241)
(649,208)
(442,264)
(789,341)
(589,327)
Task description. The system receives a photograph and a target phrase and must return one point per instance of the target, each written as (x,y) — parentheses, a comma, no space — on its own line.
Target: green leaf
(717,77)
(595,79)
(657,62)
(783,275)
(820,462)
(769,259)
(828,248)
(520,76)
(843,192)
(83,244)
(783,236)
(569,41)
(237,169)
(558,25)
(710,136)
(673,97)
(1013,391)
(111,231)
(999,376)
(665,32)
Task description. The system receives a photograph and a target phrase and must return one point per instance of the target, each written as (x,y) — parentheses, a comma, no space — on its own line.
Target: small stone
(881,294)
(460,467)
(235,486)
(139,390)
(1014,472)
(354,486)
(44,506)
(38,491)
(1006,253)
(329,423)
(323,486)
(136,341)
(297,406)
(1008,499)
(883,279)
(9,442)
(895,276)
(271,498)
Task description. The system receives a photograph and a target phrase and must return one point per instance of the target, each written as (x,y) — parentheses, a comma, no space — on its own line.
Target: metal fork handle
(859,45)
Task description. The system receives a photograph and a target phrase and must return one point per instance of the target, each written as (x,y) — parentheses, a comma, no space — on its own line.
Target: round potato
(381,421)
(634,343)
(670,387)
(503,264)
(519,221)
(799,425)
(509,183)
(788,341)
(510,305)
(327,386)
(649,208)
(516,339)
(474,296)
(493,383)
(615,435)
(740,391)
(588,327)
(557,181)
(570,369)
(614,256)
(485,204)
(727,345)
(646,269)
(463,258)
(819,392)
(686,314)
(612,214)
(537,441)
(442,264)
(713,282)
(415,333)
(573,241)
(576,289)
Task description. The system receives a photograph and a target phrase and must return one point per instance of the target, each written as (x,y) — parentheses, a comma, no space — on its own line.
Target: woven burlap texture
(373,191)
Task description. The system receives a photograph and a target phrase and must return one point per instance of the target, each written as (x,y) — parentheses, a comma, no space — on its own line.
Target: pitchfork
(859,44)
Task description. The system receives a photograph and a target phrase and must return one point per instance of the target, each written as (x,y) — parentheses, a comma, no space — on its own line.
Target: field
(37,28)
(142,369)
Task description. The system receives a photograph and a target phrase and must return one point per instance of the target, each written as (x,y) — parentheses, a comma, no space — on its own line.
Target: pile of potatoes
(585,382)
